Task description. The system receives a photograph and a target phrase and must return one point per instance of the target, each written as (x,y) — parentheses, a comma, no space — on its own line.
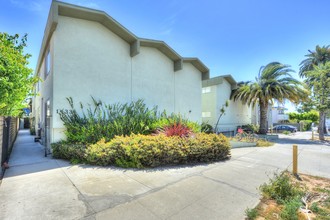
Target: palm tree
(321,55)
(318,80)
(274,82)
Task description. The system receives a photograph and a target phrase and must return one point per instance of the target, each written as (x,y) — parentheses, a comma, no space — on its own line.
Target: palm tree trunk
(263,117)
(321,125)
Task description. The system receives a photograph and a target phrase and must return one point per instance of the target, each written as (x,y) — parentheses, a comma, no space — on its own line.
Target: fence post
(295,160)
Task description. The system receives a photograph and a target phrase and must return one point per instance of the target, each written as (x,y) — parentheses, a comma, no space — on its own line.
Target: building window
(206,114)
(47,63)
(206,90)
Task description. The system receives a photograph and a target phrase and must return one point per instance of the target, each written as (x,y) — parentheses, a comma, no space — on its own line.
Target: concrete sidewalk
(36,187)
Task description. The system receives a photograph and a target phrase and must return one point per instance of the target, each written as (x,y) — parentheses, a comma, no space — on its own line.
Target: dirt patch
(315,204)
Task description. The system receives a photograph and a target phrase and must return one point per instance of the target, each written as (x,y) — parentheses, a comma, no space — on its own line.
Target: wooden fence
(8,132)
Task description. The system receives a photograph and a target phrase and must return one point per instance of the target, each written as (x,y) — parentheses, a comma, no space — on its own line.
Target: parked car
(281,128)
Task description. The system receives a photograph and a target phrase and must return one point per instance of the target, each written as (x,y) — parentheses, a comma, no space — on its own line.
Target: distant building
(216,91)
(279,115)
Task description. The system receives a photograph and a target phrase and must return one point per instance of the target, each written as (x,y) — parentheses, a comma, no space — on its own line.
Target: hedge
(69,151)
(148,151)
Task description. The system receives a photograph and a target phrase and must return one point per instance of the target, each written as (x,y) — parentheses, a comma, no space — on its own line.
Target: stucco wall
(209,103)
(155,81)
(153,78)
(44,91)
(89,60)
(188,97)
(235,114)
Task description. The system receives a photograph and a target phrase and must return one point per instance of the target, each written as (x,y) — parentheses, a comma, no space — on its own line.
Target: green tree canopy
(274,82)
(321,55)
(311,115)
(16,78)
(318,80)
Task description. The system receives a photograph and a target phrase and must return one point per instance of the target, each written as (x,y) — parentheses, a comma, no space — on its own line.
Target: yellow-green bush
(152,151)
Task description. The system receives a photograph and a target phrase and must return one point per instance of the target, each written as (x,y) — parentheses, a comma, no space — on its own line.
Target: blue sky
(230,36)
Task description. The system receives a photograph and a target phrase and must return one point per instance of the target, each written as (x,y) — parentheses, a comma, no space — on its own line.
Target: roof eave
(199,65)
(219,80)
(65,9)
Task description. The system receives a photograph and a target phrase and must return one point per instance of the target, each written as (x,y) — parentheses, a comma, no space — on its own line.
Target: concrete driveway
(36,187)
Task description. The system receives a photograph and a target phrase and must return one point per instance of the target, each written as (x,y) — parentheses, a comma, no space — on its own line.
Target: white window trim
(206,114)
(206,90)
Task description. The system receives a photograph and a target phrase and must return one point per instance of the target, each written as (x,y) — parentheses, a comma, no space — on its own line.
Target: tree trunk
(325,124)
(321,125)
(263,117)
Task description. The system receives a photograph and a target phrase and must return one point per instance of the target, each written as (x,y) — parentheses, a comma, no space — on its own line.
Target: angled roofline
(230,79)
(59,8)
(162,46)
(199,65)
(219,80)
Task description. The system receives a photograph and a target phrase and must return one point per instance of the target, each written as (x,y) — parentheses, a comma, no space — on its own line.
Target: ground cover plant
(264,143)
(285,197)
(260,142)
(131,135)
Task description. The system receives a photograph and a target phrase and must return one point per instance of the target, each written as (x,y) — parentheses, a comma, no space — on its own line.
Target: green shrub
(151,151)
(264,143)
(312,116)
(293,121)
(314,208)
(286,132)
(307,124)
(105,121)
(206,128)
(148,151)
(68,151)
(280,188)
(251,214)
(100,120)
(289,211)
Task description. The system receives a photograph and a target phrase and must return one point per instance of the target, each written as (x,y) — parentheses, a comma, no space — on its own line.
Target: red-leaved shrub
(177,130)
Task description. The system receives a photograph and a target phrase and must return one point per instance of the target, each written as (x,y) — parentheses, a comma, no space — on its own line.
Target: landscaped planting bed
(131,135)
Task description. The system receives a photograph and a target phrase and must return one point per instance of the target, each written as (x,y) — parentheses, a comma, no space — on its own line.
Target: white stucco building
(86,53)
(278,114)
(216,91)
